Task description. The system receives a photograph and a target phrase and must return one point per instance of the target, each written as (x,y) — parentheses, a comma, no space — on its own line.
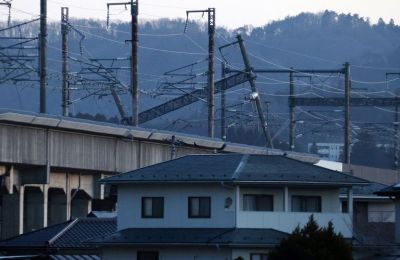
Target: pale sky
(229,13)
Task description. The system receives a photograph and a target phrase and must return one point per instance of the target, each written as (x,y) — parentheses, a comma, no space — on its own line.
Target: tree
(312,243)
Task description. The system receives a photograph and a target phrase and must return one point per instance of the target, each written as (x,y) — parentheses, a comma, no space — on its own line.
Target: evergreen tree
(312,243)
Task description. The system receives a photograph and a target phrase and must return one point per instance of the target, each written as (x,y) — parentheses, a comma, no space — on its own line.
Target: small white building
(328,151)
(222,206)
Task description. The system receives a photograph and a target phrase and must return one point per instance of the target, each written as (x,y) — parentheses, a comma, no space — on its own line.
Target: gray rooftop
(365,190)
(393,190)
(193,236)
(236,168)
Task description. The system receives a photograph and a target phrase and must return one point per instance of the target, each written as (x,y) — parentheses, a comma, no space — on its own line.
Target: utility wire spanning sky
(229,13)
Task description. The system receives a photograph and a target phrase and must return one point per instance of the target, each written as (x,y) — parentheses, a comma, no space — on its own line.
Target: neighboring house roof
(70,234)
(193,236)
(74,257)
(365,191)
(393,190)
(236,168)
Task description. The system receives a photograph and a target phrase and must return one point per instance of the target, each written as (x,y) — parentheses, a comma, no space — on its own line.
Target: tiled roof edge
(70,225)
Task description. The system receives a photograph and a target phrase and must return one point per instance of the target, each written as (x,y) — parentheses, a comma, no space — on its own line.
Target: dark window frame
(258,254)
(200,198)
(152,209)
(308,197)
(138,254)
(270,196)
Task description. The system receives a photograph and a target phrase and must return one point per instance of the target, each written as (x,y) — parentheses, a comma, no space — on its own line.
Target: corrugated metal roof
(236,168)
(69,234)
(190,236)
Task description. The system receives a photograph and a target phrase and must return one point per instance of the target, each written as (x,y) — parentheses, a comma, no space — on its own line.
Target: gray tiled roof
(193,236)
(69,234)
(366,190)
(74,257)
(389,191)
(237,168)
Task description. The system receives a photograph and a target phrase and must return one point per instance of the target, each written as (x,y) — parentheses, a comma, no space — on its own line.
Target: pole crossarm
(355,102)
(192,97)
(287,71)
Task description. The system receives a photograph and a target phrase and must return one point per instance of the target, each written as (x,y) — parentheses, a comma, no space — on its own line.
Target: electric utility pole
(210,75)
(396,126)
(223,104)
(8,4)
(346,101)
(292,127)
(256,95)
(43,56)
(347,116)
(134,58)
(65,70)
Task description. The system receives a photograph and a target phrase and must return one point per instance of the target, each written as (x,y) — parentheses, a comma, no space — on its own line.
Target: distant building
(222,206)
(329,151)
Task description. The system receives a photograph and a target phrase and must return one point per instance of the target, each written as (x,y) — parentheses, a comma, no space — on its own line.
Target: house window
(199,207)
(258,202)
(147,255)
(306,204)
(258,256)
(345,207)
(152,207)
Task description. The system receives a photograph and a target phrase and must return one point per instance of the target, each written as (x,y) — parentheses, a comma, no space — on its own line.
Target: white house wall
(175,206)
(177,253)
(246,253)
(329,197)
(288,221)
(330,201)
(276,193)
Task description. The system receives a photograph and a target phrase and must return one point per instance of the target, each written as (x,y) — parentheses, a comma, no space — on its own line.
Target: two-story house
(222,206)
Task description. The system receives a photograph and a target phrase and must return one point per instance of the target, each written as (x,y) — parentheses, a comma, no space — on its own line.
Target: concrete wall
(27,207)
(22,145)
(35,209)
(175,206)
(62,149)
(57,206)
(11,215)
(178,253)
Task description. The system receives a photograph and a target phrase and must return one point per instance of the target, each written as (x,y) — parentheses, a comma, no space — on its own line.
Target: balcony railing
(288,221)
